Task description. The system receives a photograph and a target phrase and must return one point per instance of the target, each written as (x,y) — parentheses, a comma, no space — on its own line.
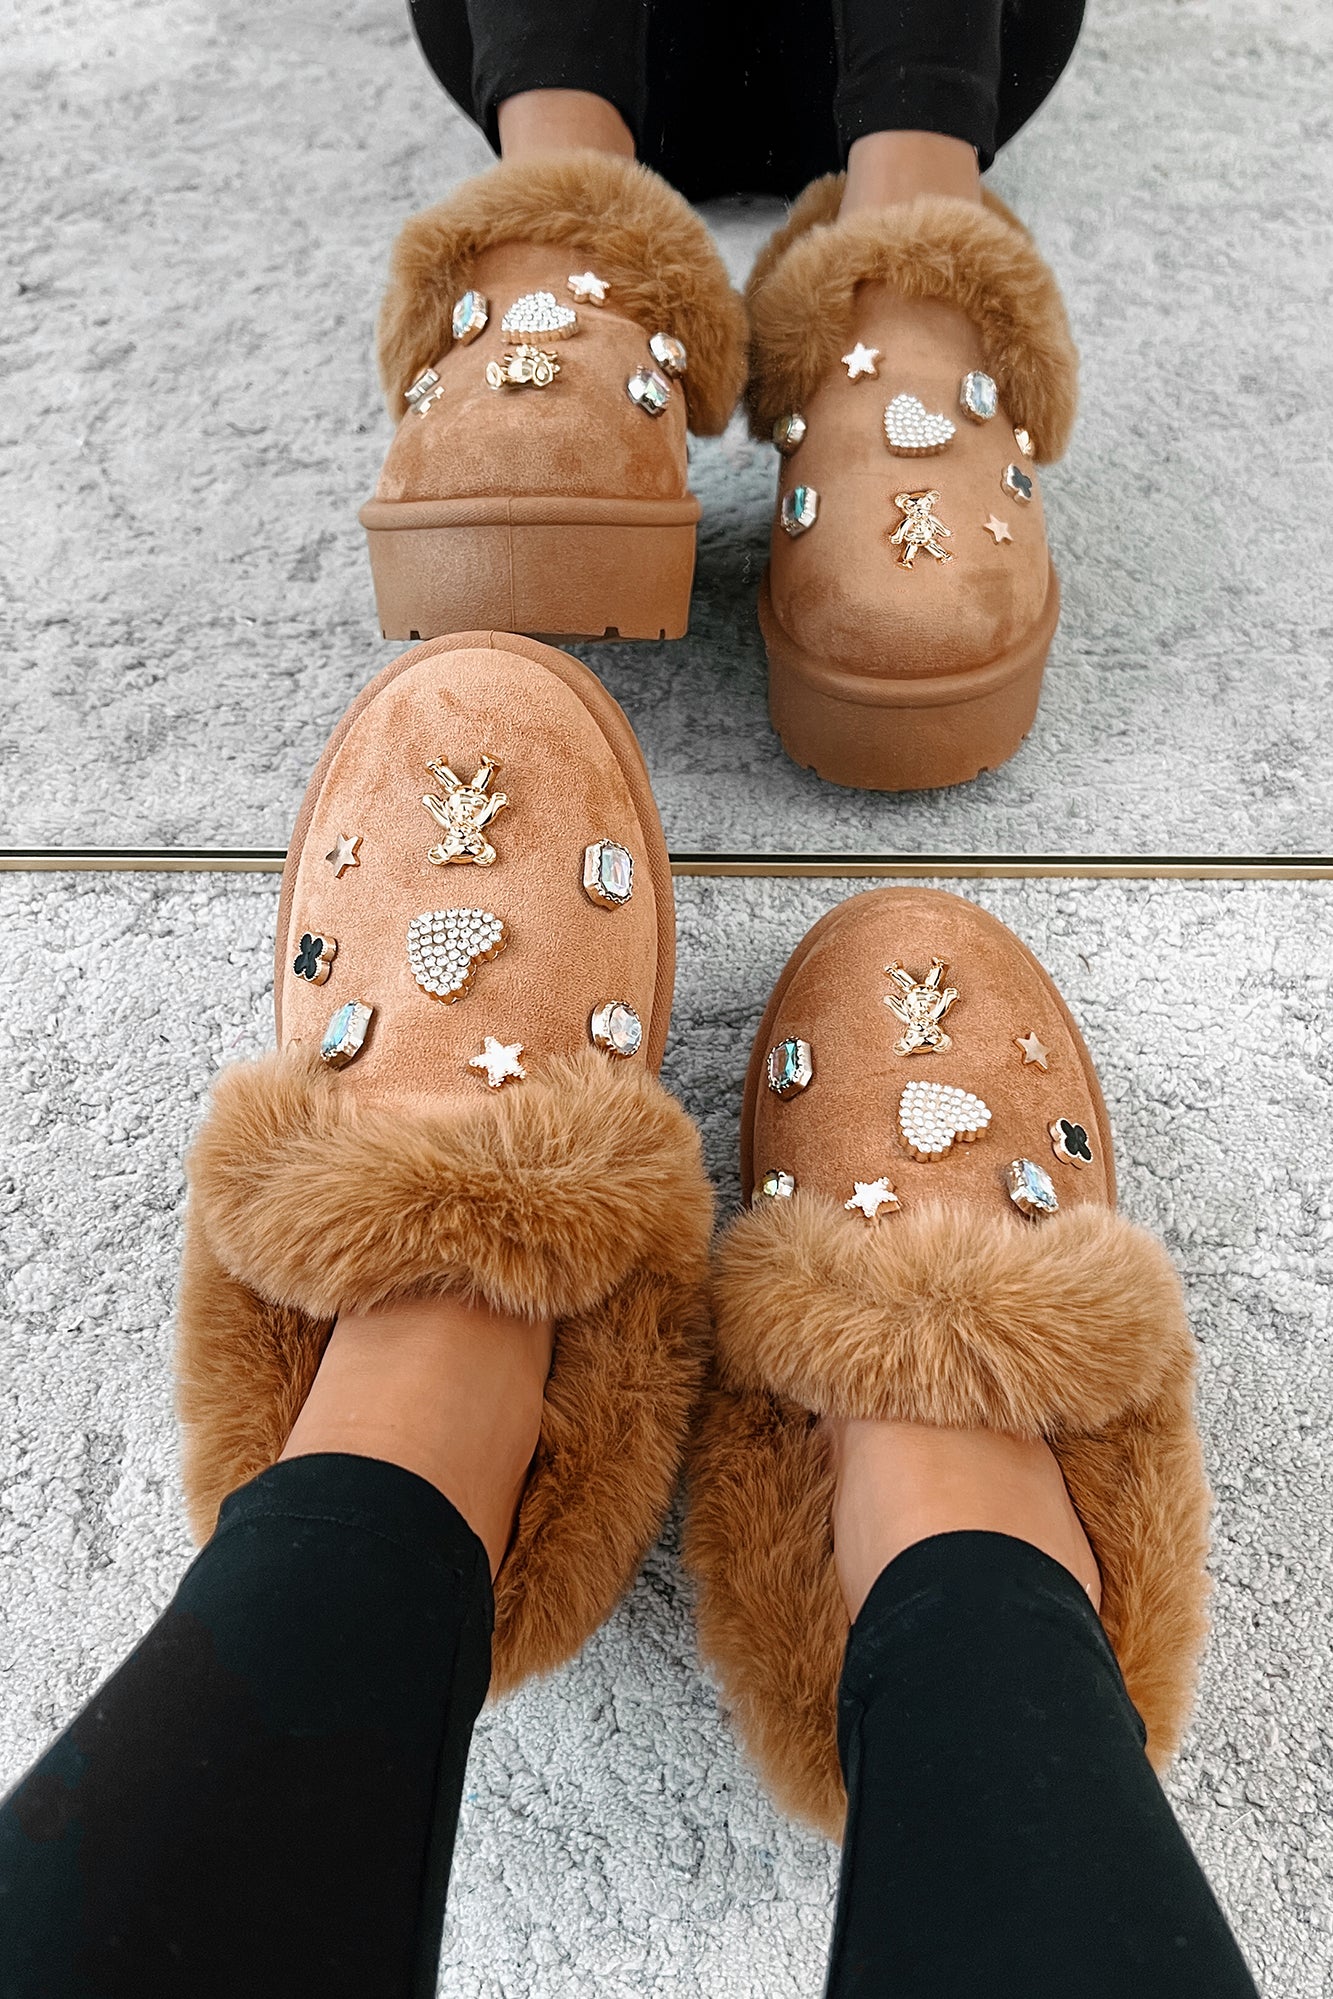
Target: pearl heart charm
(914,431)
(932,1115)
(539,316)
(445,946)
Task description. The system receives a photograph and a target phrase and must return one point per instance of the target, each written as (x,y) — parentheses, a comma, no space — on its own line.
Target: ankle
(559,121)
(899,1483)
(450,1390)
(884,168)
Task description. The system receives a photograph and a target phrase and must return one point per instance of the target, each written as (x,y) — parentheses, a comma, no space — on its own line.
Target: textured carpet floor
(200,199)
(613,1840)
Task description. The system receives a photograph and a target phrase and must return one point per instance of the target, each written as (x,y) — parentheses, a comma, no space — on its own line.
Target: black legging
(731,99)
(262,1801)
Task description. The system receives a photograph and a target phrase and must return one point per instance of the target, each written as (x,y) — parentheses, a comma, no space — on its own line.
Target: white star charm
(587,288)
(998,529)
(861,361)
(871,1196)
(344,855)
(500,1061)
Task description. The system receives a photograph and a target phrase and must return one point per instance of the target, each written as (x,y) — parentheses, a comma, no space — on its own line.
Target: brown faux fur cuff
(660,263)
(1073,1329)
(981,260)
(580,1196)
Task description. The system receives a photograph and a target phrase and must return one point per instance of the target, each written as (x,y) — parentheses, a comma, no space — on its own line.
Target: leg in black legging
(262,1800)
(1005,1833)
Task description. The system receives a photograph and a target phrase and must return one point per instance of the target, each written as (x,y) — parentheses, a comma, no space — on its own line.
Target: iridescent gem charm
(523,368)
(1031,1188)
(586,288)
(870,1196)
(774,1186)
(790,1067)
(464,812)
(424,391)
(445,947)
(1017,484)
(617,1028)
(918,528)
(345,1035)
(608,874)
(669,353)
(1023,441)
(500,1061)
(314,959)
(932,1115)
(1069,1142)
(651,391)
(800,510)
(469,317)
(920,1005)
(539,316)
(912,430)
(789,433)
(979,396)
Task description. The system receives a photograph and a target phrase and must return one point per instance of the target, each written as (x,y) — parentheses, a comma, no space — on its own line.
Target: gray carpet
(613,1840)
(200,201)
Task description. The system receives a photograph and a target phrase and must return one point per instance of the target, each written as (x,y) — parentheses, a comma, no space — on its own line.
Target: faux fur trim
(662,266)
(580,1195)
(981,260)
(1073,1329)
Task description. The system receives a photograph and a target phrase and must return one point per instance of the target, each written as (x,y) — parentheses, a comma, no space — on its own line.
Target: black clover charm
(314,960)
(1070,1142)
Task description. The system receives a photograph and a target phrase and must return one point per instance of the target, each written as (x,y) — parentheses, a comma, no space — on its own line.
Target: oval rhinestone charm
(913,431)
(789,433)
(539,316)
(669,353)
(617,1028)
(979,396)
(608,874)
(345,1035)
(651,391)
(1031,1188)
(470,316)
(932,1115)
(790,1067)
(1017,484)
(800,509)
(775,1186)
(445,947)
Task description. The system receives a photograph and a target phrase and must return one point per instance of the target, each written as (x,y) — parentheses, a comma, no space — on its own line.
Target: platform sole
(548,567)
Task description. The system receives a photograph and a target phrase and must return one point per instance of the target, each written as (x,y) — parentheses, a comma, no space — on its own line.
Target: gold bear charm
(918,528)
(464,812)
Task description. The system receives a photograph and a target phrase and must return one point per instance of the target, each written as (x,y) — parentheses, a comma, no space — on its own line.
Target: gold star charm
(861,361)
(870,1197)
(500,1061)
(344,855)
(920,1005)
(586,288)
(464,812)
(1033,1050)
(998,529)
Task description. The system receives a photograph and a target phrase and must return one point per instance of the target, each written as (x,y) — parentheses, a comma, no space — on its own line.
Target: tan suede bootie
(913,367)
(476,949)
(549,334)
(933,1239)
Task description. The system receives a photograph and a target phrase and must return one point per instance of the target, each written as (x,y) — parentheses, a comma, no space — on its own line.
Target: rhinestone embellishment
(343,854)
(464,812)
(920,1004)
(789,433)
(539,316)
(608,874)
(870,1196)
(932,1115)
(861,361)
(912,430)
(1031,1188)
(424,391)
(586,288)
(617,1028)
(790,1067)
(445,947)
(669,353)
(523,368)
(918,528)
(314,960)
(651,391)
(500,1061)
(800,510)
(979,396)
(470,317)
(1069,1142)
(1017,484)
(345,1035)
(774,1186)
